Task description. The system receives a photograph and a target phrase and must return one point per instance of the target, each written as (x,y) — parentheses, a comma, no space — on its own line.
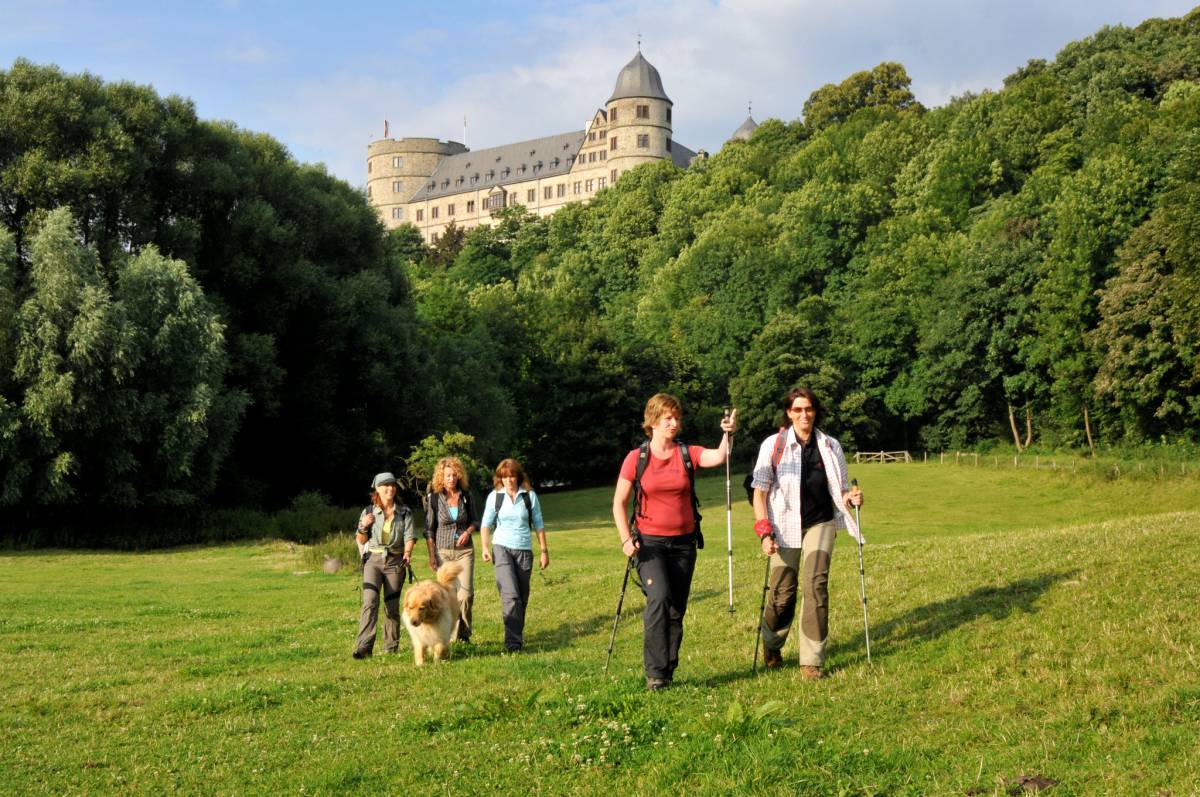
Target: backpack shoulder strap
(780,443)
(528,506)
(643,460)
(499,502)
(690,469)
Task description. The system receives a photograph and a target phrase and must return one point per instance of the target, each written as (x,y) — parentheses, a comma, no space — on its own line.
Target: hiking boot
(362,653)
(810,673)
(657,684)
(773,659)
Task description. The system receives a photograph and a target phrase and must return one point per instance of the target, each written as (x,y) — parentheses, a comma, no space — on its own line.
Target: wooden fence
(881,456)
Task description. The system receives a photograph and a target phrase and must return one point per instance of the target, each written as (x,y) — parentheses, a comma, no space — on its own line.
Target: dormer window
(507,171)
(554,163)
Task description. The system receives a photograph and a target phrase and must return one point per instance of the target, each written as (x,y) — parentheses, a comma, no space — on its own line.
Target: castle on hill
(431,183)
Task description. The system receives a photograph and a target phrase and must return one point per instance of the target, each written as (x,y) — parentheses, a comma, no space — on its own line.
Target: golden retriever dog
(431,613)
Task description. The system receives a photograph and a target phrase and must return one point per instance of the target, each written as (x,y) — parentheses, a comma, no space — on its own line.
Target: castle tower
(397,169)
(639,118)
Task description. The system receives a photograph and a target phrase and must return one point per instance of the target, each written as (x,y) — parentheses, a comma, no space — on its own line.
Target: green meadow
(1028,628)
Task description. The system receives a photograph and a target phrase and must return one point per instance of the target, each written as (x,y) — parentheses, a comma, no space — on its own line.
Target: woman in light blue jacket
(512,509)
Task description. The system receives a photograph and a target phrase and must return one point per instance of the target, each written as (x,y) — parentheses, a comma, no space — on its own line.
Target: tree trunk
(1012,422)
(1087,428)
(1028,424)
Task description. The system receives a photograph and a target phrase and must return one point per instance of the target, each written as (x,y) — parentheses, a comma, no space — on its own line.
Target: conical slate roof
(744,132)
(639,78)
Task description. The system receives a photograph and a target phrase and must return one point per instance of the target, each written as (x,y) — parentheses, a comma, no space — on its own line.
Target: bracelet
(762,528)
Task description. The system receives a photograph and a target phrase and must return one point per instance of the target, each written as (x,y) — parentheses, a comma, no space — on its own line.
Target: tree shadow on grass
(932,620)
(923,623)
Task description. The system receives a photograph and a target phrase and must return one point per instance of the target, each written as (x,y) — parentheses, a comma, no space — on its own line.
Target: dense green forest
(186,313)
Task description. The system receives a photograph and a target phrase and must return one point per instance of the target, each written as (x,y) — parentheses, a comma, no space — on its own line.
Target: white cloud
(252,54)
(549,74)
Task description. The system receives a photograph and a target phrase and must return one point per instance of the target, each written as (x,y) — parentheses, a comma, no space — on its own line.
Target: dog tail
(448,572)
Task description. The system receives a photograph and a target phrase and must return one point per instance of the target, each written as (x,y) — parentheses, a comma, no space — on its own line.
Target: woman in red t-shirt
(664,540)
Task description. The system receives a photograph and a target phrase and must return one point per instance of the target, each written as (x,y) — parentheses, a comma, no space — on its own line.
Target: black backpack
(499,502)
(776,455)
(643,460)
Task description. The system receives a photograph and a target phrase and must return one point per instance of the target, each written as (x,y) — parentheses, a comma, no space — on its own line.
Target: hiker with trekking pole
(802,496)
(385,538)
(661,536)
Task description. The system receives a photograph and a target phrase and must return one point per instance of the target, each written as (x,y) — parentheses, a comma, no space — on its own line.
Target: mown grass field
(1024,624)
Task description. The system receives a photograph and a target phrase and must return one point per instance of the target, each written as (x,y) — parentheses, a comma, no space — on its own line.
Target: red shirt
(667,502)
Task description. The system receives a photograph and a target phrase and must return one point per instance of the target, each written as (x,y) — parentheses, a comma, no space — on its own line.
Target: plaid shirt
(783,492)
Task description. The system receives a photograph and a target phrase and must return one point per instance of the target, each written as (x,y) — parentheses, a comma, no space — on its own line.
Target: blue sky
(322,77)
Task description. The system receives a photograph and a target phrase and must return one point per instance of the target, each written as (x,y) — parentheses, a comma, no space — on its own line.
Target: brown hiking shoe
(773,659)
(810,673)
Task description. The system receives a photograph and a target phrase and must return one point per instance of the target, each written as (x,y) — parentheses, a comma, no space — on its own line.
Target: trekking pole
(862,579)
(729,515)
(620,602)
(762,609)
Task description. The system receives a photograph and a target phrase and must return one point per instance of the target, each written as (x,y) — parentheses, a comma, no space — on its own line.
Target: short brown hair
(510,467)
(803,392)
(437,483)
(659,405)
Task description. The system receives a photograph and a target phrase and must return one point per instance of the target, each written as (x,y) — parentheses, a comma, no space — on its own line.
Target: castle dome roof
(639,78)
(744,132)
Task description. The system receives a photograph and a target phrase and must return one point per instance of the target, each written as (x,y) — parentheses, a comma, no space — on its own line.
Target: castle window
(420,215)
(591,157)
(470,205)
(591,136)
(491,173)
(446,183)
(562,189)
(521,169)
(668,144)
(643,112)
(531,195)
(603,154)
(433,213)
(603,134)
(668,114)
(612,143)
(578,187)
(643,141)
(548,192)
(397,162)
(554,163)
(613,175)
(591,186)
(368,167)
(433,238)
(601,182)
(397,213)
(450,209)
(507,171)
(397,186)
(612,117)
(494,202)
(459,180)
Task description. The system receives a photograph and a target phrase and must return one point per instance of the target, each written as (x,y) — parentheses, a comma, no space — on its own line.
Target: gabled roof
(639,78)
(681,156)
(499,166)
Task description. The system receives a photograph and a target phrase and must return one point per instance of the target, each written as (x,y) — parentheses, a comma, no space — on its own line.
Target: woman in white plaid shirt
(799,504)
